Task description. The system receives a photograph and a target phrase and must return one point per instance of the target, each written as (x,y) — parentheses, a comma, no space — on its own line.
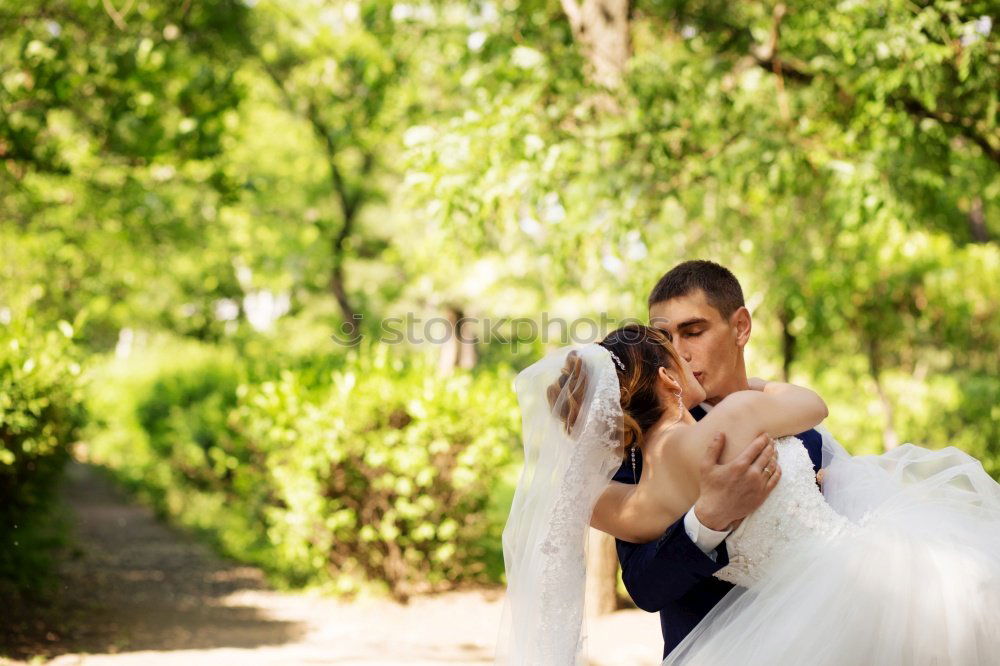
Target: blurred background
(237,240)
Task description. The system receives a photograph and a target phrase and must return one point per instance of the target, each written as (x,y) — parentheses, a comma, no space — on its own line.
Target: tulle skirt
(915,581)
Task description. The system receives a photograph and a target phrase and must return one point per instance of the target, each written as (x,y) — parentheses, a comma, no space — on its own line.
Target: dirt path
(138,592)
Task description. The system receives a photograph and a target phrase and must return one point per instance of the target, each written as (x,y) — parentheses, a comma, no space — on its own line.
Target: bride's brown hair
(642,350)
(574,380)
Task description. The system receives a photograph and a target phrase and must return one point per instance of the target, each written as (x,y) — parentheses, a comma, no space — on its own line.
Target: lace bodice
(794,511)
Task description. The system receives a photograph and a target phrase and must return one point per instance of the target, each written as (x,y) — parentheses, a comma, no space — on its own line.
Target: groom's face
(710,343)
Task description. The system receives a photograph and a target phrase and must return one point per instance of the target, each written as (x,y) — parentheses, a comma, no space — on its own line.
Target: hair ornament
(618,361)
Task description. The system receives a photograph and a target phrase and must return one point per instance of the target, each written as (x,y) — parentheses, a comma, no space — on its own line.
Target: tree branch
(964,126)
(779,14)
(349,204)
(573,13)
(790,69)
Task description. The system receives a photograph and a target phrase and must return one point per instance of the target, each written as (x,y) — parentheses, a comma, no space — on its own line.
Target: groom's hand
(731,491)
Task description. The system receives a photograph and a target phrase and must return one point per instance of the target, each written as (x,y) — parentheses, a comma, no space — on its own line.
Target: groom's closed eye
(692,332)
(692,328)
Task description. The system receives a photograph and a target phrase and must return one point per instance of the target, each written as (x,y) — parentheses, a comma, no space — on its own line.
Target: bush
(374,470)
(41,413)
(160,423)
(389,476)
(957,408)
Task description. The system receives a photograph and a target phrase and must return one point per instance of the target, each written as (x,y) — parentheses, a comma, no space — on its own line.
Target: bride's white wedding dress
(896,562)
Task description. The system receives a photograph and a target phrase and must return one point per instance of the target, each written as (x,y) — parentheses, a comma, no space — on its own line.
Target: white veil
(571,421)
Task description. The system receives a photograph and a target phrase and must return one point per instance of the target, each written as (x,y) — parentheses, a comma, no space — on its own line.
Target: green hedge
(956,408)
(373,470)
(41,413)
(959,409)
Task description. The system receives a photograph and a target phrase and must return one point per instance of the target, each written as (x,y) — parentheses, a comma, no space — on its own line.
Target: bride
(896,561)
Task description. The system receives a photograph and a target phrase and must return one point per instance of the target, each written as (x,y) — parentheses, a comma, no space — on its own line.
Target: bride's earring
(680,406)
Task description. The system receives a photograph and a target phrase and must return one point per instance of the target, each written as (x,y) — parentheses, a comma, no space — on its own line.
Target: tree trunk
(350,328)
(459,349)
(602,574)
(890,439)
(468,354)
(601,27)
(977,221)
(349,203)
(787,344)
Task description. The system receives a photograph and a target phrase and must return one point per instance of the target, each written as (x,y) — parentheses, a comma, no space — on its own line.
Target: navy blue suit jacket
(671,575)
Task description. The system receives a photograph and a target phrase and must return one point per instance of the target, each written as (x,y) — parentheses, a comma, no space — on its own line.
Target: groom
(699,304)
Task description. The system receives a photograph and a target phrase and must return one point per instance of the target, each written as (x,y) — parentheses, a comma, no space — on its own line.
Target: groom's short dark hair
(721,287)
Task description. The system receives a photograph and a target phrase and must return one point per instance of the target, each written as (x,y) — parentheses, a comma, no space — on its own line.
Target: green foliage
(386,477)
(110,137)
(184,415)
(383,472)
(159,90)
(164,170)
(840,158)
(41,413)
(960,410)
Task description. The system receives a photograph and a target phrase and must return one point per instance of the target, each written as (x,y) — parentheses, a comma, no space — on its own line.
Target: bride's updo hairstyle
(574,380)
(642,350)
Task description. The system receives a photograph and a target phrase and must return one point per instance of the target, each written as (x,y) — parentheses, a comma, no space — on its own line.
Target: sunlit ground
(139,592)
(448,629)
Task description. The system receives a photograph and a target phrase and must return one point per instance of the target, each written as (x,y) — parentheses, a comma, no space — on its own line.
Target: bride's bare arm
(777,408)
(635,513)
(670,485)
(677,468)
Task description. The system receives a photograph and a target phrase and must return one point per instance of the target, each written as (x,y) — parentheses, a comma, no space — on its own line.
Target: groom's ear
(741,323)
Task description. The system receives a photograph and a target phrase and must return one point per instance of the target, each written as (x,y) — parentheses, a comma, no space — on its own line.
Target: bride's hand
(757,384)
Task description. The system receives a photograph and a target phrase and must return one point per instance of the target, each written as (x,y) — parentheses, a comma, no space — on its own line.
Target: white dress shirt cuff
(706,539)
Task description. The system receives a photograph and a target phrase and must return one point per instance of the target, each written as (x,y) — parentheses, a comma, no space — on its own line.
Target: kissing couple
(746,525)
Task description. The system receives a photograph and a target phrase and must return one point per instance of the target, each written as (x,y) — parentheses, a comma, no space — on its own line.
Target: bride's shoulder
(672,448)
